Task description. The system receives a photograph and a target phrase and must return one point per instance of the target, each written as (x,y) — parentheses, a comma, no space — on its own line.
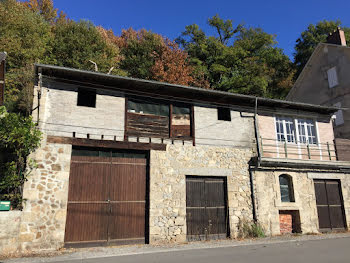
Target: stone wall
(9,231)
(268,198)
(46,193)
(168,170)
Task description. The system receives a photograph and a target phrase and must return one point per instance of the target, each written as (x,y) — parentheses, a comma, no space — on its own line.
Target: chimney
(2,76)
(337,37)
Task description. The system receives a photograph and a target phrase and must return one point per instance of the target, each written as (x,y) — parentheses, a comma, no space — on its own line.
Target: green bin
(5,205)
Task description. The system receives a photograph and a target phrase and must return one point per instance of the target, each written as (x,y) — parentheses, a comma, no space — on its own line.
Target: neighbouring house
(325,80)
(126,161)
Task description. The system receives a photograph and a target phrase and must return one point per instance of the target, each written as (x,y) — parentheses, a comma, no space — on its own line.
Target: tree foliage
(18,138)
(46,9)
(251,64)
(76,43)
(311,37)
(25,36)
(148,55)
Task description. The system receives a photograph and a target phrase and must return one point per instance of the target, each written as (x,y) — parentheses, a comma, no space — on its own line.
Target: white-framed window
(307,131)
(332,77)
(339,118)
(287,128)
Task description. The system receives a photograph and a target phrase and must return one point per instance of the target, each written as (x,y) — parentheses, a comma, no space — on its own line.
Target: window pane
(279,129)
(286,188)
(285,134)
(307,131)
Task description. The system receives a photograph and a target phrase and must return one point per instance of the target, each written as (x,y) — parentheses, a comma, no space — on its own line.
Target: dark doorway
(206,208)
(329,203)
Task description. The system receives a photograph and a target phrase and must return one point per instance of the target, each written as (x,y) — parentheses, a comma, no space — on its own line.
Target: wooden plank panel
(206,208)
(127,221)
(88,181)
(86,222)
(178,131)
(197,222)
(128,179)
(323,217)
(333,193)
(147,125)
(320,192)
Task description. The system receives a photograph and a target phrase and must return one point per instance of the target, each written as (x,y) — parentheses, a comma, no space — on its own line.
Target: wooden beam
(106,143)
(126,119)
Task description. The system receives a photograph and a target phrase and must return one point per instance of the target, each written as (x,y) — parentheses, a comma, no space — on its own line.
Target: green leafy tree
(241,60)
(76,43)
(18,138)
(24,35)
(46,9)
(137,50)
(311,37)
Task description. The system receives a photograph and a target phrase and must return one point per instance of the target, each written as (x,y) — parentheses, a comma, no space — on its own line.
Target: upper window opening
(286,188)
(145,107)
(224,114)
(287,130)
(87,98)
(332,77)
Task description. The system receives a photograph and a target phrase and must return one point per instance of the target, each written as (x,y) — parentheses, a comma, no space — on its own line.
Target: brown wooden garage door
(329,205)
(206,208)
(107,198)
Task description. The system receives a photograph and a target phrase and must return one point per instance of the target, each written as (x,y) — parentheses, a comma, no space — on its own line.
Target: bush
(251,230)
(18,138)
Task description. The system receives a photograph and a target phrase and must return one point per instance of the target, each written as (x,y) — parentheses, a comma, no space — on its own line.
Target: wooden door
(329,205)
(106,199)
(206,208)
(128,200)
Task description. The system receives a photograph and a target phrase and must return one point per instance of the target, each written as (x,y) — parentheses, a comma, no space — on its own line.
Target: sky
(285,19)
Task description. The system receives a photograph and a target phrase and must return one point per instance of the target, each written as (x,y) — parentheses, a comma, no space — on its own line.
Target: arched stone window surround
(286,188)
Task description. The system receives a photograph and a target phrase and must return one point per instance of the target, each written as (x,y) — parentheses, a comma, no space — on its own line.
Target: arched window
(286,187)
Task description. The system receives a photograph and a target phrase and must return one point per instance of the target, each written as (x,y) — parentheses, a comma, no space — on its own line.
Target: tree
(76,43)
(242,60)
(24,35)
(311,37)
(46,9)
(148,55)
(19,137)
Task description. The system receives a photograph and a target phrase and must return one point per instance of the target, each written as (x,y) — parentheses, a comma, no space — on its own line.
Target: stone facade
(168,186)
(9,231)
(46,192)
(222,148)
(268,198)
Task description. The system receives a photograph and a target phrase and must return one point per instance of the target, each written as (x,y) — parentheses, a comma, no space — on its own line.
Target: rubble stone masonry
(168,186)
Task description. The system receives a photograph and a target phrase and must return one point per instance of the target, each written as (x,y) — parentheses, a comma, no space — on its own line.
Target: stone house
(325,81)
(127,161)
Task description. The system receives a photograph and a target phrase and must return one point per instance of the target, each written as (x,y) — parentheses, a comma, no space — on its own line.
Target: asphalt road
(318,251)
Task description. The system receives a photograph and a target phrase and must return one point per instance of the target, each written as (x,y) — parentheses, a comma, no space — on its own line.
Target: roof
(308,64)
(171,91)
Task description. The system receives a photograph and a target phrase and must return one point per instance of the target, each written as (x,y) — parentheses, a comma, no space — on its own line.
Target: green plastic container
(5,205)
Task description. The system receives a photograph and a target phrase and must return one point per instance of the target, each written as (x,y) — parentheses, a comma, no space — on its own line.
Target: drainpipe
(40,81)
(251,175)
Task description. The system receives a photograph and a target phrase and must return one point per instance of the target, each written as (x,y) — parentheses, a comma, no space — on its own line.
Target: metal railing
(297,150)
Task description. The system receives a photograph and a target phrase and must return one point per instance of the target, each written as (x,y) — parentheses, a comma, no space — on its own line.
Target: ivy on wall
(19,137)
